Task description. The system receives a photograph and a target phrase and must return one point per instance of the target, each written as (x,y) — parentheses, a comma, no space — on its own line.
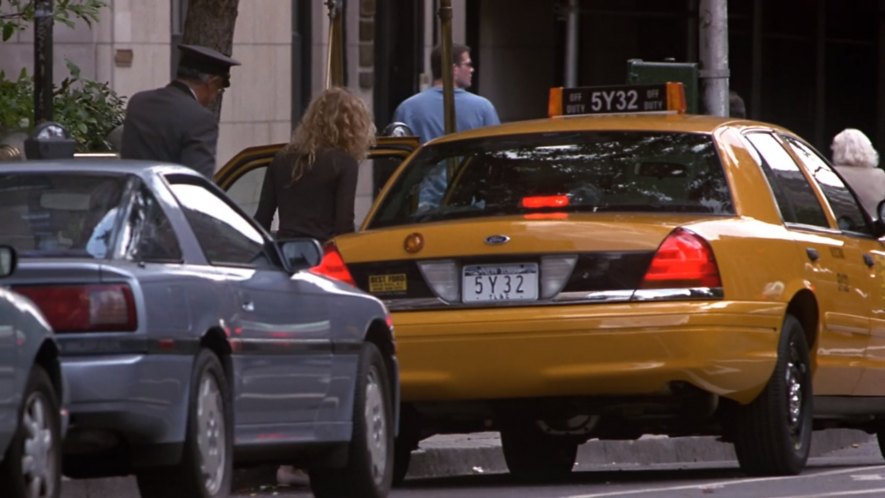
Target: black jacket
(168,124)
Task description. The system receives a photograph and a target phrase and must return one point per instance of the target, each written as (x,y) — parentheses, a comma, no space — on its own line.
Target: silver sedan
(192,341)
(31,396)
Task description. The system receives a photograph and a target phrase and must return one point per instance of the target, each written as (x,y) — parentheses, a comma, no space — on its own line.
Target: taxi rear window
(563,172)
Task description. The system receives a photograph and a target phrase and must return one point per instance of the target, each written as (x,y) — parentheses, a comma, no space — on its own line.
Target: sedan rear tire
(206,467)
(773,433)
(32,465)
(369,470)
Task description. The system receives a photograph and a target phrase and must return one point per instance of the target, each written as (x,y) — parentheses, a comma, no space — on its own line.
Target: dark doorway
(301,59)
(399,55)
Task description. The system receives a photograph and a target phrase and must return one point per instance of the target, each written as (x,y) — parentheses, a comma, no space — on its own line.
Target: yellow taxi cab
(606,273)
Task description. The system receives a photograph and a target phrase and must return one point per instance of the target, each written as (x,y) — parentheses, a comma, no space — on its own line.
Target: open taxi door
(242,176)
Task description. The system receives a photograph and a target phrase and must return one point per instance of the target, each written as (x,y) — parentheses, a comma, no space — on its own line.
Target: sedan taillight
(333,266)
(683,260)
(85,308)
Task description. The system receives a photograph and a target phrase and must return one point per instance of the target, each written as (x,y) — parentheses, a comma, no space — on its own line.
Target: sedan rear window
(64,215)
(564,172)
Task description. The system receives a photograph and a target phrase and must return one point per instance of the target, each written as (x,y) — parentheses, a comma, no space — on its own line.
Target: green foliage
(88,109)
(16,15)
(16,102)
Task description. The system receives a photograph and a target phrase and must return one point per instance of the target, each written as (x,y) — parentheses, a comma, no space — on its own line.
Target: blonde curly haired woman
(857,162)
(312,181)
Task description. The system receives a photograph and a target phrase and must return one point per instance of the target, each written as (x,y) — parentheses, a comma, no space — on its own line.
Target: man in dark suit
(173,123)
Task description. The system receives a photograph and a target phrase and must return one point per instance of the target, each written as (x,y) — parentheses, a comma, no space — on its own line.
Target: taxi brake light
(332,265)
(545,201)
(85,308)
(683,260)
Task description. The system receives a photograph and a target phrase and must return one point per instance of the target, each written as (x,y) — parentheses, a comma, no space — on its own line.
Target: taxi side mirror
(301,253)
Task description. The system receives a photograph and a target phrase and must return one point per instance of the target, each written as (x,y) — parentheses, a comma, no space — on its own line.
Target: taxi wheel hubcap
(211,433)
(38,458)
(376,426)
(795,378)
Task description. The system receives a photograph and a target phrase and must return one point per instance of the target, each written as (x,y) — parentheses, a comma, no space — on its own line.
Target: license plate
(505,282)
(395,282)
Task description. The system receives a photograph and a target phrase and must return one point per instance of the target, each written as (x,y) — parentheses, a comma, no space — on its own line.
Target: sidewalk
(480,453)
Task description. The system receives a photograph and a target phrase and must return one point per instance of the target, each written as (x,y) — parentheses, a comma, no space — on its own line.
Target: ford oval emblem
(496,240)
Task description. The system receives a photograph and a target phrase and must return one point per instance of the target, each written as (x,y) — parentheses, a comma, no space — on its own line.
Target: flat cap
(206,60)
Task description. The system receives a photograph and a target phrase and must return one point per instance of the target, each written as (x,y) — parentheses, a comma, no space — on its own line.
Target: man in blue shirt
(423,113)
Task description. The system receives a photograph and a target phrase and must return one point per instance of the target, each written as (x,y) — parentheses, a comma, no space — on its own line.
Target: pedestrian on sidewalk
(174,123)
(857,161)
(424,114)
(312,181)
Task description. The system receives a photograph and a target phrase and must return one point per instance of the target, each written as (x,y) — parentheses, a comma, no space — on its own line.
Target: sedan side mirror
(299,254)
(8,260)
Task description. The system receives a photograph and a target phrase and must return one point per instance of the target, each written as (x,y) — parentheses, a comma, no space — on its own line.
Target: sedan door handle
(869,260)
(812,253)
(248,306)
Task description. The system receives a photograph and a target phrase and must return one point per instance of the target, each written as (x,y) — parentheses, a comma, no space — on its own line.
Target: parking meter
(49,140)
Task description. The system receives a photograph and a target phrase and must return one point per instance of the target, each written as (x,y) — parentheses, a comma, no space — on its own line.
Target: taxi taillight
(545,201)
(683,260)
(332,265)
(85,308)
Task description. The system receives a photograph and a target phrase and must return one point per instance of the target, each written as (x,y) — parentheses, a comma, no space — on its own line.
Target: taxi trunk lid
(606,254)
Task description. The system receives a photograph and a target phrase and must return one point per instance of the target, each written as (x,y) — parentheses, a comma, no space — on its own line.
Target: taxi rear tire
(533,454)
(773,433)
(369,469)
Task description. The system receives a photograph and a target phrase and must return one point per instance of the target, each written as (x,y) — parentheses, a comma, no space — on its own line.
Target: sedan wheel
(206,466)
(773,433)
(32,466)
(369,470)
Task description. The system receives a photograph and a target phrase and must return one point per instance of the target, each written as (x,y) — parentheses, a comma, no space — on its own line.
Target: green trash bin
(645,72)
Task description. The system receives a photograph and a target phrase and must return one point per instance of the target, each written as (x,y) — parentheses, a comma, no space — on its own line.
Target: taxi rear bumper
(628,349)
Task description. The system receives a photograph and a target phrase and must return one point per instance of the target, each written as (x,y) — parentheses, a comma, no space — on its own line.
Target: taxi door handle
(869,260)
(812,253)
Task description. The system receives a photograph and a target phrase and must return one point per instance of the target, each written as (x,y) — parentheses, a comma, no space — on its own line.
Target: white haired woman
(858,163)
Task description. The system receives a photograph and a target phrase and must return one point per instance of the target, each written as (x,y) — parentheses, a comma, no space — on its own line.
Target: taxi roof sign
(617,99)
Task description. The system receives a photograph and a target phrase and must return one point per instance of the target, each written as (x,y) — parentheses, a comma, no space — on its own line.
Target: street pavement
(478,453)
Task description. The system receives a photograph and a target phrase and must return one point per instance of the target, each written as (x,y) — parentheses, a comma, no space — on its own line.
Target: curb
(480,453)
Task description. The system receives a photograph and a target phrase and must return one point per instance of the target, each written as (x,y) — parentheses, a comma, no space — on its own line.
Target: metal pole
(42,61)
(335,60)
(445,17)
(713,34)
(571,44)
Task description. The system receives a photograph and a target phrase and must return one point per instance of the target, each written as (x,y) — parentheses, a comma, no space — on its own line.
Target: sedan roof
(100,165)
